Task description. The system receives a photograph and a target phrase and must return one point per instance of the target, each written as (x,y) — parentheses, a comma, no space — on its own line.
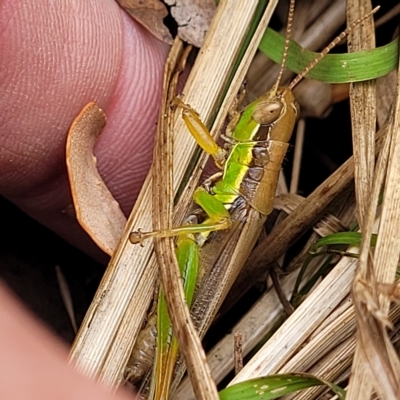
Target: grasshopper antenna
(286,47)
(328,48)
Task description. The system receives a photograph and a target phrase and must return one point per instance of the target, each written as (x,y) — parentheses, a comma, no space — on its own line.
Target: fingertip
(124,150)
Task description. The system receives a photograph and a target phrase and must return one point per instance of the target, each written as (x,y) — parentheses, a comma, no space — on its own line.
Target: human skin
(55,57)
(34,364)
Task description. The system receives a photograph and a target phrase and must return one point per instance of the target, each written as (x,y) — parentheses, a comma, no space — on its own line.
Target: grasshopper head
(279,110)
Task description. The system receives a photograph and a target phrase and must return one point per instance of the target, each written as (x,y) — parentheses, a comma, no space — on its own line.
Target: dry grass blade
(330,367)
(238,351)
(375,362)
(294,184)
(335,365)
(304,321)
(357,385)
(337,328)
(66,297)
(364,168)
(163,200)
(382,361)
(111,325)
(363,108)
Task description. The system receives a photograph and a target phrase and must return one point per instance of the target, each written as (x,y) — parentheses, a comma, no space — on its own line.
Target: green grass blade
(333,68)
(341,238)
(187,253)
(274,386)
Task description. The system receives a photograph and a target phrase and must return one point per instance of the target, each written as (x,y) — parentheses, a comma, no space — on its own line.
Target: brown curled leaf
(150,14)
(96,209)
(193,18)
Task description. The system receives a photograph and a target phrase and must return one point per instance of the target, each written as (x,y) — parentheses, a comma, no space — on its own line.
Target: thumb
(55,57)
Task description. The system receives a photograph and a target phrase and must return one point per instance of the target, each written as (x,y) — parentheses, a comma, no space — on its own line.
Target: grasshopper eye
(267,112)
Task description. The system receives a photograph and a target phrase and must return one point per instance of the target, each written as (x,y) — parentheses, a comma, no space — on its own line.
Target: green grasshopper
(258,138)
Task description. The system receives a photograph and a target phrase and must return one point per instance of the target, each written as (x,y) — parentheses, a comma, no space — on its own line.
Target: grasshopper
(258,138)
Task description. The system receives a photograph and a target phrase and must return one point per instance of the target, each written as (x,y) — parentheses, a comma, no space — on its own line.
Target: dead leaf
(96,209)
(193,18)
(150,14)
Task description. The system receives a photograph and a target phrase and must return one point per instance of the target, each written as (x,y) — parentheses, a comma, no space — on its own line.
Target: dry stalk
(364,166)
(162,201)
(363,110)
(376,365)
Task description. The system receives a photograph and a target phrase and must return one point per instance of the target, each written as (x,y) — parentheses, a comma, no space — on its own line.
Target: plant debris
(96,209)
(193,18)
(150,14)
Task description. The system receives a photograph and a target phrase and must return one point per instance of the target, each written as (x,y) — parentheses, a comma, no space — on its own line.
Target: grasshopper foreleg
(201,134)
